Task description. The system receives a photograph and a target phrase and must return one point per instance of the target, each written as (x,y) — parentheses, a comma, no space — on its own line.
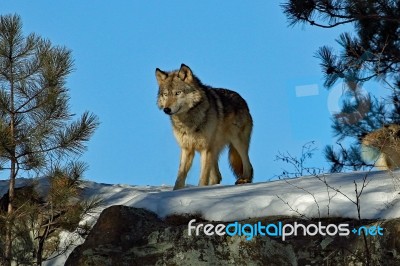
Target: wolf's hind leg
(239,159)
(184,166)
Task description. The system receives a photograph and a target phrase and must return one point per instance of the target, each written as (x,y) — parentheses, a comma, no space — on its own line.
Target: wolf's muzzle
(167,110)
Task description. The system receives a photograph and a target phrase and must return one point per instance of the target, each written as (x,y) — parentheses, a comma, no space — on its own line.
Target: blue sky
(245,47)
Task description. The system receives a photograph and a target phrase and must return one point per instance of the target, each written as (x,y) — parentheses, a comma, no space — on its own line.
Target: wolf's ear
(185,73)
(160,75)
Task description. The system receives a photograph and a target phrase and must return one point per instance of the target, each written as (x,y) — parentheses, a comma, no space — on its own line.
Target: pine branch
(72,138)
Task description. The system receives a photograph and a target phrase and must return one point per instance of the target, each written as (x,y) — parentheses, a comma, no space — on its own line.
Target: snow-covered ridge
(308,196)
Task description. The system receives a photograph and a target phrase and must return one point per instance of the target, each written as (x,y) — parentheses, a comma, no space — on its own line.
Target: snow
(306,196)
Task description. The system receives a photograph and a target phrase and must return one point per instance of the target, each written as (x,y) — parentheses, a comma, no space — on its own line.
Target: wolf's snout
(167,110)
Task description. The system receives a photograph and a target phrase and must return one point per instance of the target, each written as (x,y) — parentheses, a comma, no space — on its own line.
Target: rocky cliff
(131,236)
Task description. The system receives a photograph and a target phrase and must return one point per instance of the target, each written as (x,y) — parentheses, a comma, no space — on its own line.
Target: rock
(131,236)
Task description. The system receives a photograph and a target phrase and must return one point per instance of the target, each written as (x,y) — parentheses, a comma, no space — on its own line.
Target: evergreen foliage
(39,136)
(372,53)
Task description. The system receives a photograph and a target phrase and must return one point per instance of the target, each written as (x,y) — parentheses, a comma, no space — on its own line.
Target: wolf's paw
(241,181)
(179,185)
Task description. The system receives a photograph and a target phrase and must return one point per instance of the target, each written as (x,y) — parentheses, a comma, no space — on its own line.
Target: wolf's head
(178,90)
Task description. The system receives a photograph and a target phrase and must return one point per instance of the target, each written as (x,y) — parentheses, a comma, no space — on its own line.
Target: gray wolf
(206,119)
(382,147)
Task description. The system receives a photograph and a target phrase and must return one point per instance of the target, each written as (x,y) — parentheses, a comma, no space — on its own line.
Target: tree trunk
(13,171)
(39,254)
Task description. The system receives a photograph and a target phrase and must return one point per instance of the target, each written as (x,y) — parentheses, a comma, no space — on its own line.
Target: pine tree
(371,53)
(37,130)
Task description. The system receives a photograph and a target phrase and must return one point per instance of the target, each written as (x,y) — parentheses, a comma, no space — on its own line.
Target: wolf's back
(229,102)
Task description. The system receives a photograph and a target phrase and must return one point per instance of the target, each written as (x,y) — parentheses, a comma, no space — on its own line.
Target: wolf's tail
(235,162)
(243,173)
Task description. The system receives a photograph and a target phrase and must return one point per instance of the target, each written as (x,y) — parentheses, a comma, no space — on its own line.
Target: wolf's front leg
(184,166)
(207,162)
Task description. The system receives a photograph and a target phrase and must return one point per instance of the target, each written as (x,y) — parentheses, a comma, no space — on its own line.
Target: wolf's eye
(165,94)
(178,92)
